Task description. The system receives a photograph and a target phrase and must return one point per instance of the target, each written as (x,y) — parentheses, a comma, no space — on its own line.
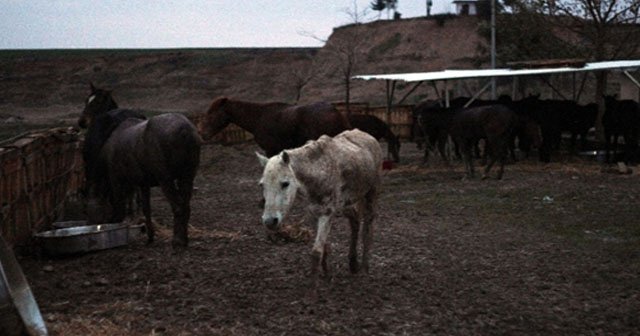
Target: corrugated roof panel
(462,74)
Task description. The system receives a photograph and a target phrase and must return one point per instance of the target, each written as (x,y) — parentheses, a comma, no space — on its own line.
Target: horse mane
(217,103)
(97,135)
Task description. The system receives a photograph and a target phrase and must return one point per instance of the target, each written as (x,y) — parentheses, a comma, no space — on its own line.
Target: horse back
(346,166)
(316,119)
(164,147)
(173,144)
(483,121)
(370,124)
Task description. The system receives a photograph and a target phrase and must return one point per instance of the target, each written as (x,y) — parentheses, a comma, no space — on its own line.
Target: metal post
(493,47)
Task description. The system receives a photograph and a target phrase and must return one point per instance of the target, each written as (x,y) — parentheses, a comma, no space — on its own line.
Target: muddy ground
(552,249)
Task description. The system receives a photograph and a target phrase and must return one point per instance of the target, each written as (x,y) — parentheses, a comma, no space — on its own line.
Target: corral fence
(41,170)
(38,171)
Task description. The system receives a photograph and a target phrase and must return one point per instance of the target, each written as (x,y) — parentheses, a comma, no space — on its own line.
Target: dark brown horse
(379,130)
(125,152)
(494,123)
(275,126)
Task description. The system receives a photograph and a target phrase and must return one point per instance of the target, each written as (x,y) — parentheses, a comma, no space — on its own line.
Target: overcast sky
(26,24)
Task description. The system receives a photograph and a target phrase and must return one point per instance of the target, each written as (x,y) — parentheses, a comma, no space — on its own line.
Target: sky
(45,24)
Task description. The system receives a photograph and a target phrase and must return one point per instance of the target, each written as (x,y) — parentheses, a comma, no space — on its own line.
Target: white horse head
(279,187)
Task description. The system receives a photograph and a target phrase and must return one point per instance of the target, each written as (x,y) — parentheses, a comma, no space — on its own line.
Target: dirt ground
(552,249)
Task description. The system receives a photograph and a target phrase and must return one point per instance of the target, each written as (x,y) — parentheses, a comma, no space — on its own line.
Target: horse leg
(145,195)
(442,142)
(354,222)
(467,158)
(317,253)
(179,200)
(501,152)
(325,265)
(497,150)
(370,201)
(119,196)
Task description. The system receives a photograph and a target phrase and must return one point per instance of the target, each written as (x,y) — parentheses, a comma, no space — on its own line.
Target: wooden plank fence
(37,173)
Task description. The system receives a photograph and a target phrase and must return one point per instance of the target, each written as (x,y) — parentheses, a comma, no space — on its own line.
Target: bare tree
(300,76)
(344,49)
(598,30)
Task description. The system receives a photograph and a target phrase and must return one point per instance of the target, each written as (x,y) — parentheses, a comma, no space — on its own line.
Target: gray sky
(26,24)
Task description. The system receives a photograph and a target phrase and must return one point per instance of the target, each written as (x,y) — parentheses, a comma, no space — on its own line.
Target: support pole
(493,47)
(552,87)
(475,96)
(635,81)
(410,92)
(446,94)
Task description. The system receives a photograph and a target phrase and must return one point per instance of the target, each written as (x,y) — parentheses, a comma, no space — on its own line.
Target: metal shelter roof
(463,74)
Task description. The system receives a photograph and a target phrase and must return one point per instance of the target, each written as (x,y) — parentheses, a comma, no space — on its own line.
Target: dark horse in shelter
(621,118)
(379,130)
(494,123)
(275,126)
(431,124)
(125,152)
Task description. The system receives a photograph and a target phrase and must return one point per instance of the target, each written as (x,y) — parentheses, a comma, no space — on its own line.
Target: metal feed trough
(77,237)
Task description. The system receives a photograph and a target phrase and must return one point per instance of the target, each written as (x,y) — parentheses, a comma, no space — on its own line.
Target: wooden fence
(37,173)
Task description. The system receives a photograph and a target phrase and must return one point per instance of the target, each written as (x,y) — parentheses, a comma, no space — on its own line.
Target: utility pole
(493,47)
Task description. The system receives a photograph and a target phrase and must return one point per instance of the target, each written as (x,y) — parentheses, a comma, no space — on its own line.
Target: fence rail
(37,173)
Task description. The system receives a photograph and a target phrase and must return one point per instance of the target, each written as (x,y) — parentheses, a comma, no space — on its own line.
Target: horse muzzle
(271,223)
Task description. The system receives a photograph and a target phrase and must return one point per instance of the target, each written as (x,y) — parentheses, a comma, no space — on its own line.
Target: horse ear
(93,88)
(285,157)
(263,159)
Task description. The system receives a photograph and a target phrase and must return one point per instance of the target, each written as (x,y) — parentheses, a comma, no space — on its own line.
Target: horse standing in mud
(123,151)
(495,123)
(275,126)
(377,129)
(621,118)
(338,176)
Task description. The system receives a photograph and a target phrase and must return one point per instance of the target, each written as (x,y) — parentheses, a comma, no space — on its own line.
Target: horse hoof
(354,268)
(178,244)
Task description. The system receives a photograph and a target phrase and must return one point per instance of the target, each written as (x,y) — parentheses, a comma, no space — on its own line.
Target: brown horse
(124,152)
(379,130)
(275,126)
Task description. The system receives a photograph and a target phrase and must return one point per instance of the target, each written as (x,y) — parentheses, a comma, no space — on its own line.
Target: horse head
(279,187)
(97,103)
(215,119)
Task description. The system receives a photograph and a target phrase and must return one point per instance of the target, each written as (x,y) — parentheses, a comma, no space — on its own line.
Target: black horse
(621,118)
(379,130)
(125,152)
(494,123)
(431,124)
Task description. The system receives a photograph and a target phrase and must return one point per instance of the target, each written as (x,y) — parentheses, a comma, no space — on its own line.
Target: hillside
(51,85)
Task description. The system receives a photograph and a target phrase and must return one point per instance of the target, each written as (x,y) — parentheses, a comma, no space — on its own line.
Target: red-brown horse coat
(275,126)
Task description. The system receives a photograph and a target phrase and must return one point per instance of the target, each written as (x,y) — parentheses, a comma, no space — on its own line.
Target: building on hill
(466,7)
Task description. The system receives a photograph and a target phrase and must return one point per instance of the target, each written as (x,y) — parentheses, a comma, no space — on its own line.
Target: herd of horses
(527,124)
(314,150)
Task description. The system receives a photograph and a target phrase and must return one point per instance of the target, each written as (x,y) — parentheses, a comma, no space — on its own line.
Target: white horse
(339,176)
